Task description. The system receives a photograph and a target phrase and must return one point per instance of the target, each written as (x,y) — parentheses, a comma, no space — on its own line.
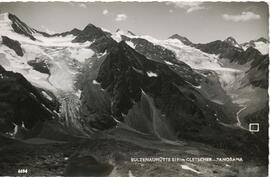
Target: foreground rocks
(112,157)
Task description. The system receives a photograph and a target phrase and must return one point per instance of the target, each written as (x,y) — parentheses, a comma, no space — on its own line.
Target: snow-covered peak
(260,44)
(11,23)
(5,23)
(181,38)
(4,16)
(106,30)
(12,27)
(230,40)
(124,32)
(262,39)
(57,54)
(117,36)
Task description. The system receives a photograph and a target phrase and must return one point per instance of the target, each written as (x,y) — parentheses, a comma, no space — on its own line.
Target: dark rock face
(261,117)
(183,39)
(128,32)
(20,27)
(125,73)
(89,33)
(131,33)
(102,44)
(227,51)
(13,44)
(39,65)
(151,51)
(211,83)
(101,40)
(262,40)
(258,72)
(231,41)
(96,102)
(74,32)
(22,103)
(220,47)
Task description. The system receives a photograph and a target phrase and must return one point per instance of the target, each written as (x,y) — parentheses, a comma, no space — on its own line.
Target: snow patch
(106,30)
(185,167)
(117,37)
(78,93)
(168,63)
(151,74)
(95,82)
(137,70)
(198,87)
(15,130)
(130,44)
(23,125)
(46,95)
(130,174)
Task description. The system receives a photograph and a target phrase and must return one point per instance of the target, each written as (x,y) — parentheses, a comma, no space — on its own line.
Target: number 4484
(20,171)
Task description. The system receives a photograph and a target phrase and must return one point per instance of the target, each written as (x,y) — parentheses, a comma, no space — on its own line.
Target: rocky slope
(22,104)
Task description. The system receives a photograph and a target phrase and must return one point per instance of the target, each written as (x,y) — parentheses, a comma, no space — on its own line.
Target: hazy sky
(200,22)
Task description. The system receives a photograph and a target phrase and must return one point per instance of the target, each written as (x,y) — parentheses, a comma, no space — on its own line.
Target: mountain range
(93,82)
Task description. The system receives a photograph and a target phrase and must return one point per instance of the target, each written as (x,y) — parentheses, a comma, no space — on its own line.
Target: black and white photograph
(134,89)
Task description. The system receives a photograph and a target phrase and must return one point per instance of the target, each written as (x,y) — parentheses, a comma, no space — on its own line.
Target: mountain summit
(230,40)
(10,22)
(260,44)
(183,39)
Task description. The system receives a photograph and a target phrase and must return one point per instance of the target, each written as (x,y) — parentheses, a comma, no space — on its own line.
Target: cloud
(121,17)
(82,5)
(188,6)
(171,11)
(105,12)
(243,17)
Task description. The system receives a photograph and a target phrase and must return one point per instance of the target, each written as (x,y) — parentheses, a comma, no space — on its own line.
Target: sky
(200,22)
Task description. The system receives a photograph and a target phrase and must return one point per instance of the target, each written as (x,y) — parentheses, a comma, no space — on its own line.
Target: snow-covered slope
(232,42)
(195,58)
(62,57)
(54,62)
(211,66)
(199,60)
(9,23)
(260,44)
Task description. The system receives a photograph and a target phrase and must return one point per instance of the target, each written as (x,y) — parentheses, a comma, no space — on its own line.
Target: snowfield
(61,55)
(261,46)
(195,58)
